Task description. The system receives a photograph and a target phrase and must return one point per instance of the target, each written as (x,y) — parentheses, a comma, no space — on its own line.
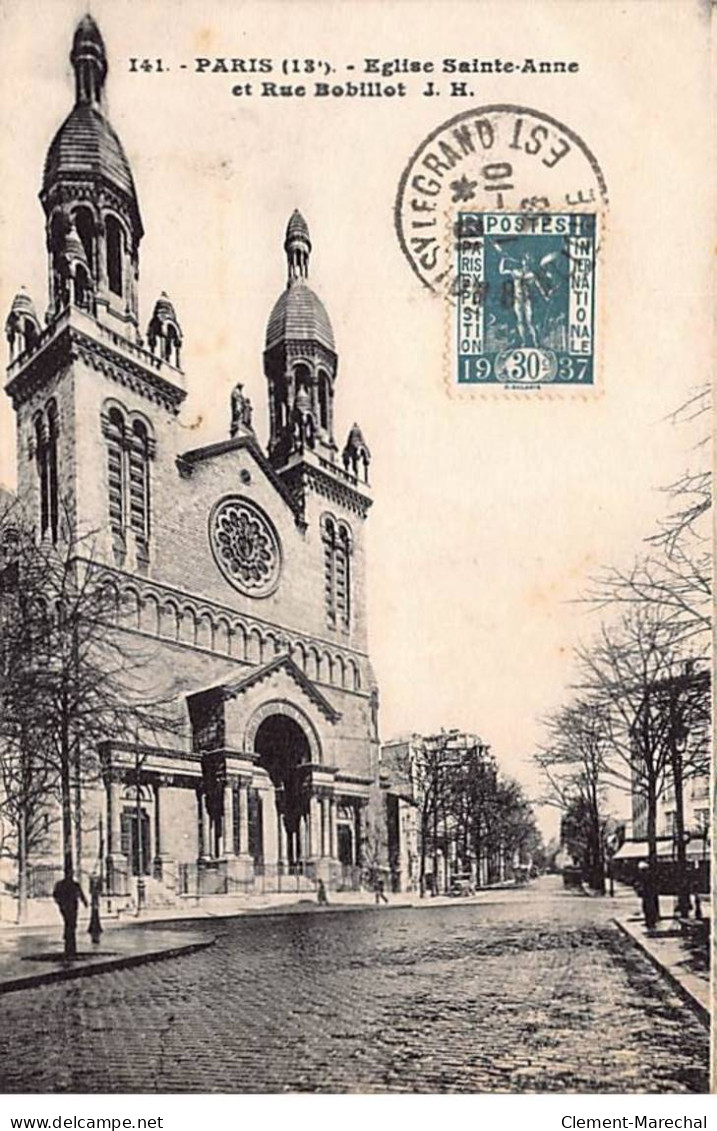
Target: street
(532,990)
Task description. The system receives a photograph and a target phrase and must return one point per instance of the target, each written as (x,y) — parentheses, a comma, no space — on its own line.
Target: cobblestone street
(535,990)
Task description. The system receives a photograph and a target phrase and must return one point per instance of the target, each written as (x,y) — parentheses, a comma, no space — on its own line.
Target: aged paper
(359,335)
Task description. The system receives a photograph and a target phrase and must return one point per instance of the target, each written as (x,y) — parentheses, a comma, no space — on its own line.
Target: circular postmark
(495,158)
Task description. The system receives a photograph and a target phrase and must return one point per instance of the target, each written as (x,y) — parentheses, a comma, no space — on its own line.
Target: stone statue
(241,411)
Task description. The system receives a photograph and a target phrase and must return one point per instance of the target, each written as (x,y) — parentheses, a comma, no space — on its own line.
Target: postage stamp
(525,299)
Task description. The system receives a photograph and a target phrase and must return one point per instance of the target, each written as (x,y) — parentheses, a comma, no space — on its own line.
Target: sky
(491,513)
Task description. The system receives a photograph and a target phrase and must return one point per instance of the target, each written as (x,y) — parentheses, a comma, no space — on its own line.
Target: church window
(114,255)
(337,572)
(129,449)
(115,470)
(46,434)
(323,401)
(343,576)
(85,226)
(138,460)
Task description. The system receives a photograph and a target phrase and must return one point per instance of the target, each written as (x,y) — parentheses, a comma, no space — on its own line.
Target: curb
(687,996)
(102,967)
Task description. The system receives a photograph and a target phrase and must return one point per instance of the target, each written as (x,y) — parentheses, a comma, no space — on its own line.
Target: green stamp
(525,309)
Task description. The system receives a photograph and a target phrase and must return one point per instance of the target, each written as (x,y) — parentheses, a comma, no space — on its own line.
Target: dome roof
(23,304)
(163,309)
(297,228)
(86,145)
(299,315)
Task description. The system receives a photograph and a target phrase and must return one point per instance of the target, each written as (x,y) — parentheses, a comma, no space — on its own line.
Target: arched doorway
(284,752)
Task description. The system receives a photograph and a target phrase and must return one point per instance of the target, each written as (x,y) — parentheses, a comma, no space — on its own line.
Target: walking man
(67,895)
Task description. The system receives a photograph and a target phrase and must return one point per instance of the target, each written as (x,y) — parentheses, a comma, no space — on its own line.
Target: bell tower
(300,361)
(93,224)
(94,405)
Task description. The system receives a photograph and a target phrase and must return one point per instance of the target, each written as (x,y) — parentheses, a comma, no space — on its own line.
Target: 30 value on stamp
(525,309)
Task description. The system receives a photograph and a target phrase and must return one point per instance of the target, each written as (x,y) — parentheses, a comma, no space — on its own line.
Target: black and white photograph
(356,551)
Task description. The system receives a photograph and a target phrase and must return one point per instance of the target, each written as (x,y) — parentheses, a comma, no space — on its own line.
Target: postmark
(494,158)
(525,299)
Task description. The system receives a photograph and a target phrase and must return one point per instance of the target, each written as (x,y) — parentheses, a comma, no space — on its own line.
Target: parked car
(461,886)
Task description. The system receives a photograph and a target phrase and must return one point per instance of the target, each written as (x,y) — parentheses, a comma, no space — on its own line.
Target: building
(443,812)
(241,568)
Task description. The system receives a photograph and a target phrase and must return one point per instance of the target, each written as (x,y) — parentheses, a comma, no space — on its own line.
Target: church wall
(59,386)
(94,389)
(316,506)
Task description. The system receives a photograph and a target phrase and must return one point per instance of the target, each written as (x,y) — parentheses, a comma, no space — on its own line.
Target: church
(241,566)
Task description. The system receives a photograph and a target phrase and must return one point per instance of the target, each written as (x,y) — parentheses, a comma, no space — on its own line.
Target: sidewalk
(35,957)
(667,950)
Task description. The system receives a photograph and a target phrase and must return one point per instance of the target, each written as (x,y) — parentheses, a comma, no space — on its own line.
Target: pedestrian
(379,893)
(67,895)
(322,897)
(95,928)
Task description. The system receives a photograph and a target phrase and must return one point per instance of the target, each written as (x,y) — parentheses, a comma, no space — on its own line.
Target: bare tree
(621,672)
(71,675)
(574,762)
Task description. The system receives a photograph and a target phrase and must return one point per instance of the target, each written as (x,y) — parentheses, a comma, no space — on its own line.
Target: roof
(283,663)
(86,144)
(299,315)
(23,304)
(637,849)
(297,228)
(250,444)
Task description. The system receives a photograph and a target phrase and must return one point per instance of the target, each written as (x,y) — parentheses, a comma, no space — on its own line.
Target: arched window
(139,481)
(85,225)
(337,571)
(302,378)
(129,449)
(323,401)
(115,433)
(58,227)
(46,432)
(115,254)
(343,576)
(329,540)
(52,432)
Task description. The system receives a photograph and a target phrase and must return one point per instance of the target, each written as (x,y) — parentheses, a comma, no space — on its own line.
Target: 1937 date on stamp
(525,290)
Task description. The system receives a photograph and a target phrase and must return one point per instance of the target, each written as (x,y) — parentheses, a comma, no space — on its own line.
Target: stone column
(325,827)
(206,847)
(333,838)
(315,825)
(359,833)
(114,821)
(162,859)
(244,818)
(228,818)
(271,820)
(281,844)
(116,861)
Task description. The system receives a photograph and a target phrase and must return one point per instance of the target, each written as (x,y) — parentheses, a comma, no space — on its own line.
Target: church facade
(240,568)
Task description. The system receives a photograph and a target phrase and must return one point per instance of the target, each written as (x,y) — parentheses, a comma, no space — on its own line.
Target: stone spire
(297,246)
(89,59)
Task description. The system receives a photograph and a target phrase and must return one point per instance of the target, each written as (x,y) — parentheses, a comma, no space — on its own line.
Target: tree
(575,764)
(70,676)
(622,672)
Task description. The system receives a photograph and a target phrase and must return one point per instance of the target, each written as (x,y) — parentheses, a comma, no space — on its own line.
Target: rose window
(245,546)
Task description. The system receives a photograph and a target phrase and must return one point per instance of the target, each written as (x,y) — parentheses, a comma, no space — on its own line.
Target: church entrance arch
(284,751)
